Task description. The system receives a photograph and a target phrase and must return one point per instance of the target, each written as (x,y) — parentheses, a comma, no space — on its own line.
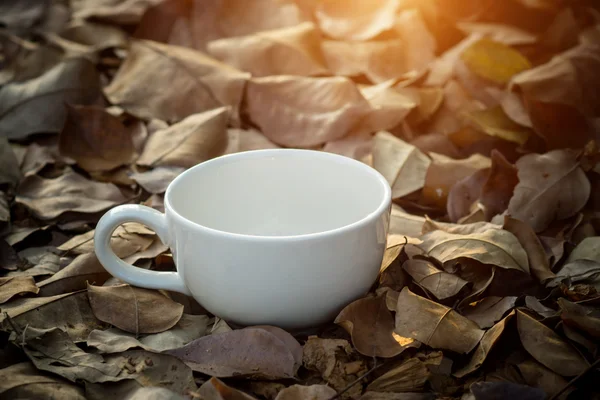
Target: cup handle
(127,272)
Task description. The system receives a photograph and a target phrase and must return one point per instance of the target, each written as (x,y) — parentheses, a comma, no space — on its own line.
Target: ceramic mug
(280,237)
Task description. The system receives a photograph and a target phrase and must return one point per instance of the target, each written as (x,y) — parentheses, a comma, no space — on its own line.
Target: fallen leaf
(505,34)
(355,20)
(492,246)
(441,70)
(37,106)
(313,392)
(252,352)
(9,165)
(98,36)
(464,194)
(488,341)
(371,326)
(36,158)
(38,261)
(120,12)
(389,107)
(536,375)
(96,140)
(494,122)
(357,147)
(551,186)
(439,283)
(12,286)
(548,348)
(133,309)
(198,82)
(538,262)
(494,61)
(581,317)
(578,272)
(434,324)
(246,140)
(485,313)
(499,187)
(214,389)
(401,164)
(9,259)
(508,390)
(70,192)
(114,340)
(534,304)
(411,375)
(197,138)
(21,15)
(23,380)
(286,51)
(84,268)
(587,249)
(309,111)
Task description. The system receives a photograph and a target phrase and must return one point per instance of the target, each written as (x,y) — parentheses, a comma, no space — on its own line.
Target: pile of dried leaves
(482,115)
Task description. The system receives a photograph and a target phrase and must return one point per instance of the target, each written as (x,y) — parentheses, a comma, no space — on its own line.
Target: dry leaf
(401,164)
(489,339)
(371,326)
(195,139)
(134,309)
(287,51)
(441,70)
(491,246)
(389,107)
(408,376)
(354,19)
(499,187)
(494,122)
(9,165)
(538,262)
(23,380)
(70,192)
(486,312)
(309,111)
(357,147)
(195,82)
(115,11)
(464,195)
(99,37)
(96,140)
(312,392)
(38,105)
(538,376)
(246,140)
(494,61)
(12,286)
(114,340)
(214,389)
(551,186)
(505,34)
(253,352)
(581,317)
(84,268)
(439,283)
(434,324)
(587,249)
(548,348)
(580,272)
(158,179)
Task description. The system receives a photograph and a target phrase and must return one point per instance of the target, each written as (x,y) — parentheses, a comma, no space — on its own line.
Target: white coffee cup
(280,237)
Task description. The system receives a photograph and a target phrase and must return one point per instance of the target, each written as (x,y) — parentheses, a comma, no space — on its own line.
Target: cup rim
(384,204)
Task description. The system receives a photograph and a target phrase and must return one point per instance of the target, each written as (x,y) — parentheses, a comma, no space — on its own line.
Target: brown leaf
(465,193)
(548,348)
(491,246)
(402,164)
(408,376)
(252,352)
(37,106)
(195,139)
(505,34)
(494,122)
(439,283)
(85,268)
(581,317)
(69,312)
(120,12)
(98,36)
(286,51)
(10,287)
(36,158)
(23,380)
(214,389)
(551,186)
(354,146)
(499,187)
(9,165)
(538,376)
(158,179)
(371,326)
(246,140)
(134,309)
(488,341)
(538,262)
(309,111)
(96,140)
(389,107)
(49,198)
(486,312)
(534,304)
(434,324)
(312,392)
(587,249)
(355,20)
(419,44)
(195,82)
(441,70)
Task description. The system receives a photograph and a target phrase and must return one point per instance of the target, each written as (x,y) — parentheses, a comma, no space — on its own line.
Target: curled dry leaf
(548,348)
(551,186)
(355,19)
(489,310)
(84,268)
(214,389)
(581,317)
(12,286)
(464,194)
(411,375)
(287,51)
(371,326)
(434,324)
(491,246)
(312,392)
(194,82)
(49,198)
(499,187)
(24,380)
(197,138)
(403,165)
(37,105)
(309,111)
(439,283)
(252,352)
(96,140)
(134,309)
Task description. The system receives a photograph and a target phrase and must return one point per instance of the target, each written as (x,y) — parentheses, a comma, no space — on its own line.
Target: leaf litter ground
(483,116)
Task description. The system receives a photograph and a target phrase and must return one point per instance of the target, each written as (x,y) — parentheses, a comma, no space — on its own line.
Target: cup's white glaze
(282,237)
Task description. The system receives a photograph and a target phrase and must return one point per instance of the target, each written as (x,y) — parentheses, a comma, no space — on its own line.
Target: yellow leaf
(494,61)
(494,122)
